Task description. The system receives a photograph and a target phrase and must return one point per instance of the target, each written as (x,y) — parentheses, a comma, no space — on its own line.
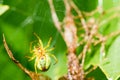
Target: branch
(32,75)
(75,70)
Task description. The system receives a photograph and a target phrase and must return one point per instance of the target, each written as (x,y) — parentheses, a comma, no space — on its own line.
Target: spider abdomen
(43,63)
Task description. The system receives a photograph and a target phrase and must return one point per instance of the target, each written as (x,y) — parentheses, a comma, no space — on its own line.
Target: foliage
(25,17)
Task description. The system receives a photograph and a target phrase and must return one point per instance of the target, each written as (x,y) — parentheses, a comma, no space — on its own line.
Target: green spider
(41,55)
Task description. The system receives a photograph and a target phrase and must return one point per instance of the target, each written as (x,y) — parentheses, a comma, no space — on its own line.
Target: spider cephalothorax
(41,55)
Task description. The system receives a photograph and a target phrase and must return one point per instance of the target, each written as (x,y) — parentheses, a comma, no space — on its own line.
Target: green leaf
(107,4)
(3,9)
(86,5)
(97,74)
(110,66)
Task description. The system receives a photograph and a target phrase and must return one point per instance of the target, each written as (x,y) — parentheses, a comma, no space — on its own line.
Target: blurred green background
(18,25)
(28,16)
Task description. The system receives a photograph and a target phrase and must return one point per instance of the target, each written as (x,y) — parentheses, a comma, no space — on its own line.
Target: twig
(101,39)
(90,70)
(100,6)
(81,17)
(31,74)
(105,38)
(114,9)
(89,41)
(54,15)
(116,15)
(113,34)
(102,51)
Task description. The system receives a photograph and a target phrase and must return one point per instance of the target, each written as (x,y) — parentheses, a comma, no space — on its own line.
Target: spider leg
(31,58)
(40,42)
(49,50)
(35,66)
(56,60)
(31,51)
(48,44)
